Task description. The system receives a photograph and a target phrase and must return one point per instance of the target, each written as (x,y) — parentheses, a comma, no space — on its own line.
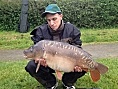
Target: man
(54,29)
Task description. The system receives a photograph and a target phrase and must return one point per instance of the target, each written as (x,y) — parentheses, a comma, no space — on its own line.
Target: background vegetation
(82,13)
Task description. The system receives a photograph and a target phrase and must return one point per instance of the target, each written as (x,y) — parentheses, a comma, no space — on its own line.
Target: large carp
(64,57)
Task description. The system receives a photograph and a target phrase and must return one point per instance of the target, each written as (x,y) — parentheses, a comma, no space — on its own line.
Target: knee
(70,78)
(31,67)
(80,74)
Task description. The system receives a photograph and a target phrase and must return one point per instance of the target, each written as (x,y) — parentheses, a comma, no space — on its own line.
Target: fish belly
(60,63)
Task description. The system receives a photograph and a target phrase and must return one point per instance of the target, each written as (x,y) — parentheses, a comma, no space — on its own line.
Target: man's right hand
(41,61)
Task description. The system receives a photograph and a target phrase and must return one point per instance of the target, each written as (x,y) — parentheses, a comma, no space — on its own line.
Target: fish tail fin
(95,75)
(102,68)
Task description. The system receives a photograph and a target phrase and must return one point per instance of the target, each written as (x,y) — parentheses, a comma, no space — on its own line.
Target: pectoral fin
(37,68)
(95,75)
(59,75)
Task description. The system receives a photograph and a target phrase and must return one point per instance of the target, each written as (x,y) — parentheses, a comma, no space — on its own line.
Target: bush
(82,13)
(9,14)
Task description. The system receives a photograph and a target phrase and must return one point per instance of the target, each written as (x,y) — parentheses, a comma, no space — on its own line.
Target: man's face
(54,20)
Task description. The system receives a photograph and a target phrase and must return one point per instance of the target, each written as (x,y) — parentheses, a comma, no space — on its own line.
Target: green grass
(14,76)
(16,40)
(99,35)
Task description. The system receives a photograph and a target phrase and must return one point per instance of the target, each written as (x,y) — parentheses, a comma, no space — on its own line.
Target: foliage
(82,13)
(9,14)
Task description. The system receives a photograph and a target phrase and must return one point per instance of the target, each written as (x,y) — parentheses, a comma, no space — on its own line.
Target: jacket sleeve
(76,34)
(36,35)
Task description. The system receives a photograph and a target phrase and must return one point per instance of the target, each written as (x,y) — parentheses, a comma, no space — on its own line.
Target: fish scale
(59,54)
(90,63)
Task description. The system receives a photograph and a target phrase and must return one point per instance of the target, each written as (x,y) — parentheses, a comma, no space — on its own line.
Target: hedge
(82,13)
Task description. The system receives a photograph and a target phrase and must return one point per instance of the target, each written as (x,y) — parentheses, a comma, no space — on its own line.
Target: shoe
(67,87)
(54,87)
(71,87)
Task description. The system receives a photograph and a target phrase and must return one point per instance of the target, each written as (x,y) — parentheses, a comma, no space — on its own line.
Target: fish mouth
(25,57)
(28,56)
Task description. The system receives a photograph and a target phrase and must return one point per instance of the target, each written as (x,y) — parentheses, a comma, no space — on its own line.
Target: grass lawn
(16,40)
(14,76)
(99,35)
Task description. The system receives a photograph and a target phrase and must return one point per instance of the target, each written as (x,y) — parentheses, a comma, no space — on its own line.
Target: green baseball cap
(51,8)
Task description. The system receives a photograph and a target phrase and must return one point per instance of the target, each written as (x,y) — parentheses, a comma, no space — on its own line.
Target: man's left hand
(77,69)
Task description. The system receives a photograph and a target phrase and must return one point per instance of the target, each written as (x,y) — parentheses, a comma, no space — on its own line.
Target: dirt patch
(96,50)
(11,55)
(102,50)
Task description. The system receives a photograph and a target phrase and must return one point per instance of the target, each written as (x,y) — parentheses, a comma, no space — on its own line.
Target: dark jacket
(69,31)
